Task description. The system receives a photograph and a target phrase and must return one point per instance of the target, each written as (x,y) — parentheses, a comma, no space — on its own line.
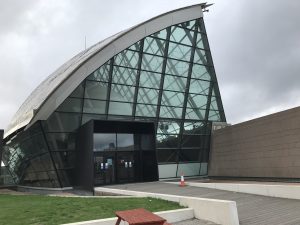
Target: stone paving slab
(194,222)
(252,209)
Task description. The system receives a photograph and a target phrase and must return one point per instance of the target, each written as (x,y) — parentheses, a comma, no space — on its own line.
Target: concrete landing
(194,222)
(252,209)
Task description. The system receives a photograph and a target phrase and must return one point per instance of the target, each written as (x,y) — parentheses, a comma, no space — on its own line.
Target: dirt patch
(11,192)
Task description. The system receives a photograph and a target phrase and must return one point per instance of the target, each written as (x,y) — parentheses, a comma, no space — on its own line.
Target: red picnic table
(139,217)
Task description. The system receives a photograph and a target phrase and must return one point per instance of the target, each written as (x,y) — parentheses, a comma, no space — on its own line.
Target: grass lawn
(44,210)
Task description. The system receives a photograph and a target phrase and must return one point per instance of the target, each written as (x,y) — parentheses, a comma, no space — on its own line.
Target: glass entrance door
(104,168)
(125,167)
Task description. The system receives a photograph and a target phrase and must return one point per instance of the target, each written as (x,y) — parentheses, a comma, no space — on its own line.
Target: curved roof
(59,85)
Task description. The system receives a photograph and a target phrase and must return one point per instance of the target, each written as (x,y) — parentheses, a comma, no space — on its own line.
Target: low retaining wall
(172,216)
(42,190)
(217,211)
(279,191)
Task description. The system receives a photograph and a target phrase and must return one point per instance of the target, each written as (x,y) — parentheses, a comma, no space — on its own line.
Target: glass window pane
(104,142)
(213,104)
(96,90)
(125,142)
(123,75)
(78,92)
(94,106)
(167,155)
(135,46)
(200,39)
(168,127)
(201,72)
(101,74)
(63,122)
(117,108)
(61,141)
(214,115)
(214,93)
(146,110)
(180,52)
(160,34)
(40,163)
(191,141)
(148,96)
(195,128)
(172,98)
(64,159)
(178,68)
(170,112)
(127,58)
(195,114)
(87,117)
(152,63)
(71,105)
(189,25)
(204,156)
(174,83)
(197,101)
(154,46)
(167,141)
(180,35)
(199,87)
(189,155)
(150,79)
(201,57)
(122,93)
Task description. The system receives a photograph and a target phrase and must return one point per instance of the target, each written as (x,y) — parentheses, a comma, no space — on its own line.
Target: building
(137,106)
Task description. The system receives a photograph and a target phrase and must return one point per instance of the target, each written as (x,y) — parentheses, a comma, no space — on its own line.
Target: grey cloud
(12,12)
(256,52)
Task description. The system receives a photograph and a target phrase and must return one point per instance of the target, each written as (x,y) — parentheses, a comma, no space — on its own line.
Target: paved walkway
(252,209)
(194,222)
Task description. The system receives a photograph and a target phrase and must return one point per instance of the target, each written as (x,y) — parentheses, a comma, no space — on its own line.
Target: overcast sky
(255,46)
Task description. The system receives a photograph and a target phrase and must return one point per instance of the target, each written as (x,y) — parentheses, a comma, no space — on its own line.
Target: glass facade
(167,78)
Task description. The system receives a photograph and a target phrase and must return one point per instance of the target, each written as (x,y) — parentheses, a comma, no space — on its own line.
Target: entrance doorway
(114,167)
(115,152)
(125,167)
(104,169)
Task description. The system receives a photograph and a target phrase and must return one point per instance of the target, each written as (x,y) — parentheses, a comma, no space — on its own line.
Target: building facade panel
(266,147)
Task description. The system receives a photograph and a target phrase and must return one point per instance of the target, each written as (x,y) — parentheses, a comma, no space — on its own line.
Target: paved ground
(194,222)
(252,209)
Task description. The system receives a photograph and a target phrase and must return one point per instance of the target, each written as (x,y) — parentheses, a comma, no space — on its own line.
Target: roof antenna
(84,42)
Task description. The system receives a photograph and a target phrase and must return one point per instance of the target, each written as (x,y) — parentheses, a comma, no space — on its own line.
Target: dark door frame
(84,170)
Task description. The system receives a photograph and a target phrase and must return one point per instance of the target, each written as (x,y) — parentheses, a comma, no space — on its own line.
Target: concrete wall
(263,147)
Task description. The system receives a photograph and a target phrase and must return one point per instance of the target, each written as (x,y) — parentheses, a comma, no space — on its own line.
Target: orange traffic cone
(182,183)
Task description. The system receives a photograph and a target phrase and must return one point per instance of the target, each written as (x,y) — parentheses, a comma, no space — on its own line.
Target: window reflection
(125,142)
(104,142)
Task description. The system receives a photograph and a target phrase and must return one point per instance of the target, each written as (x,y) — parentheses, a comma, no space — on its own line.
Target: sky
(255,46)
